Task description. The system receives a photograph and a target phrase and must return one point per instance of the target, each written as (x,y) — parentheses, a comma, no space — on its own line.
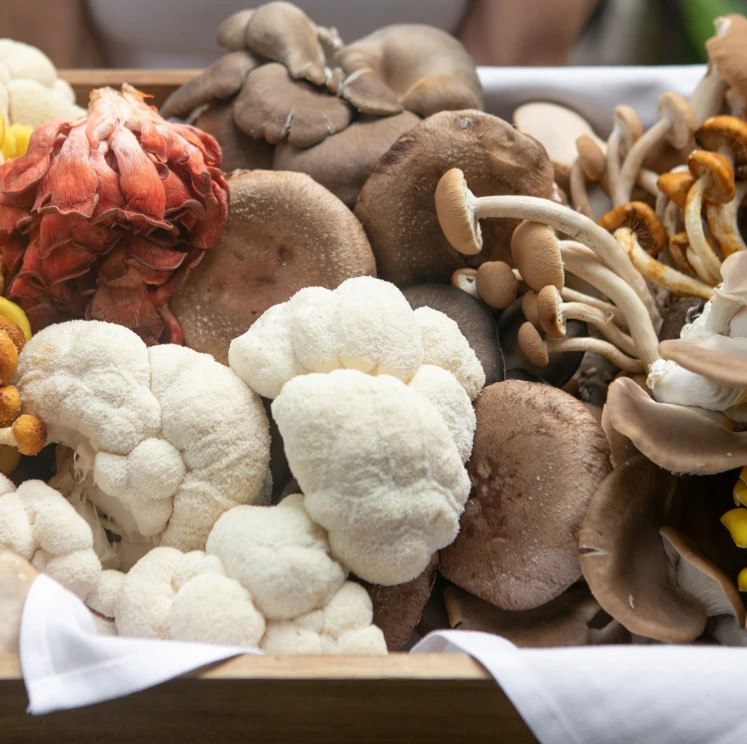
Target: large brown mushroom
(396,205)
(623,558)
(284,232)
(537,459)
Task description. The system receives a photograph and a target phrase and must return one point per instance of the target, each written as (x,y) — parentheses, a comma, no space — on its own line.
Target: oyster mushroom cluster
(291,95)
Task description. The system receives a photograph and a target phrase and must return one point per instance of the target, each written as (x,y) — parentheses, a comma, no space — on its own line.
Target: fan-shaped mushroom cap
(222,80)
(474,320)
(420,67)
(563,621)
(537,458)
(231,32)
(719,358)
(342,162)
(284,232)
(282,32)
(273,106)
(239,150)
(396,204)
(623,558)
(682,439)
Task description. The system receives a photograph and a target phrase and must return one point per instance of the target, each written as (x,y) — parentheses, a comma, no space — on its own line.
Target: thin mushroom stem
(573,295)
(579,194)
(647,179)
(722,221)
(623,184)
(708,97)
(696,234)
(600,320)
(629,304)
(596,346)
(698,266)
(659,273)
(576,225)
(670,218)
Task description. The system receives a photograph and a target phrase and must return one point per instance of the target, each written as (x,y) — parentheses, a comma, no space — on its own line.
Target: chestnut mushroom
(623,559)
(396,205)
(284,232)
(538,457)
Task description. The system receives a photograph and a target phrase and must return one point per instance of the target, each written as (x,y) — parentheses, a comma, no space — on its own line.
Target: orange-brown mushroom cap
(717,172)
(10,404)
(456,213)
(30,434)
(676,184)
(8,358)
(642,220)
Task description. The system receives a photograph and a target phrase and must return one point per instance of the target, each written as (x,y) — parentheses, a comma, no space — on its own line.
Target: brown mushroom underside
(396,203)
(284,232)
(537,459)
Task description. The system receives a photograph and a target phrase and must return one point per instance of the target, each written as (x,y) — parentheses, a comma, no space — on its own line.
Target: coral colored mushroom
(284,232)
(537,459)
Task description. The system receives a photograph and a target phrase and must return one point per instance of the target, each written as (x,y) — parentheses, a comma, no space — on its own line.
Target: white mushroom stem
(627,301)
(600,320)
(579,194)
(695,232)
(7,437)
(698,266)
(722,221)
(577,226)
(659,273)
(670,217)
(631,166)
(596,346)
(573,295)
(466,280)
(646,179)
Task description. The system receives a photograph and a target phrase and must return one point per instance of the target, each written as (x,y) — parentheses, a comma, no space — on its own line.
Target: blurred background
(181,34)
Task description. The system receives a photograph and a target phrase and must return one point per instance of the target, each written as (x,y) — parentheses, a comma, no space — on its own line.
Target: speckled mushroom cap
(538,457)
(396,204)
(623,558)
(284,232)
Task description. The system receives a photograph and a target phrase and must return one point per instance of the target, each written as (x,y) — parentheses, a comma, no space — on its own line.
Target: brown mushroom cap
(8,358)
(726,51)
(728,132)
(538,457)
(342,162)
(623,558)
(284,232)
(397,609)
(591,157)
(563,621)
(30,434)
(421,67)
(642,220)
(536,253)
(557,128)
(682,439)
(396,204)
(14,331)
(16,577)
(717,173)
(10,404)
(222,80)
(231,32)
(531,344)
(474,320)
(497,285)
(273,106)
(239,150)
(282,32)
(675,185)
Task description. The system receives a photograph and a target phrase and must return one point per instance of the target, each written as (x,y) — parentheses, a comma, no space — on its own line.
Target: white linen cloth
(614,694)
(66,665)
(592,92)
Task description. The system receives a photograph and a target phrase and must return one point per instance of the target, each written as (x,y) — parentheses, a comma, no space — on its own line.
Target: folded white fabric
(591,91)
(614,694)
(66,665)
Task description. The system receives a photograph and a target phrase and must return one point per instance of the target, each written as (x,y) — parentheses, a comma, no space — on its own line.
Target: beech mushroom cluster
(291,95)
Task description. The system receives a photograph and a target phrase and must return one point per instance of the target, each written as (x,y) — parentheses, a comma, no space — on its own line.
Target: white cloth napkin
(66,665)
(591,91)
(614,694)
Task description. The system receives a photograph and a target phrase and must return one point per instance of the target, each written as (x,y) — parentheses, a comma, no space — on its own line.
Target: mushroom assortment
(373,414)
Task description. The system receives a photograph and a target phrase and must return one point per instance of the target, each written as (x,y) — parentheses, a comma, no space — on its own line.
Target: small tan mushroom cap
(284,232)
(536,253)
(717,172)
(456,213)
(30,434)
(396,205)
(537,459)
(497,285)
(623,558)
(675,185)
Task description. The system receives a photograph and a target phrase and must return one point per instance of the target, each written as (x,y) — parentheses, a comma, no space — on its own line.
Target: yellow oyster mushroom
(742,580)
(735,520)
(740,489)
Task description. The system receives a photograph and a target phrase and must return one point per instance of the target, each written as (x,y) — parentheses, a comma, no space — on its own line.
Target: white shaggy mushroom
(378,467)
(40,525)
(166,439)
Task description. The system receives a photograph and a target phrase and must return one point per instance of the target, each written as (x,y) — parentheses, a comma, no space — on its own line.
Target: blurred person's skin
(524,32)
(495,32)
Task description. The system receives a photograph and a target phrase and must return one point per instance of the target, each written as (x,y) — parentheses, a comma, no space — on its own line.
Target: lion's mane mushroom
(166,439)
(417,67)
(396,206)
(537,459)
(410,373)
(284,232)
(40,525)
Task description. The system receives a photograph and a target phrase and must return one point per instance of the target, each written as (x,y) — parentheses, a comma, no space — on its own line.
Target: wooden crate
(276,699)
